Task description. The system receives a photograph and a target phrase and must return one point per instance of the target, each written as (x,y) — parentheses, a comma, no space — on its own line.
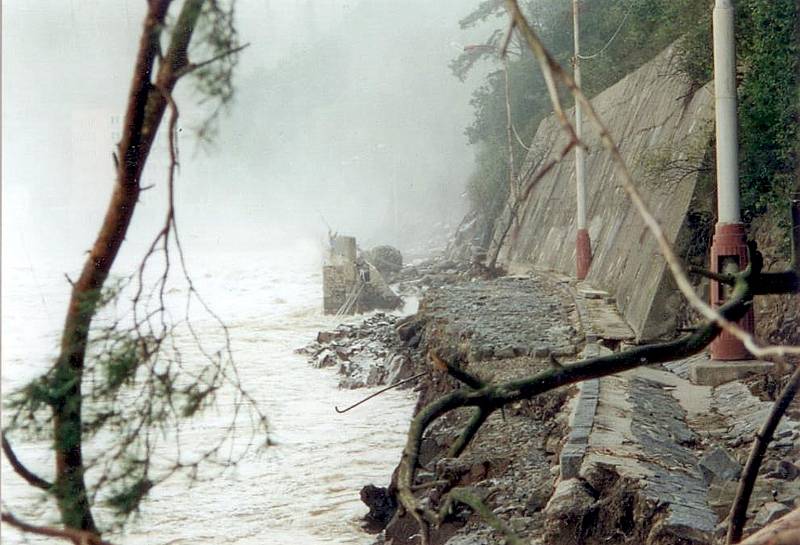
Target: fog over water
(345,110)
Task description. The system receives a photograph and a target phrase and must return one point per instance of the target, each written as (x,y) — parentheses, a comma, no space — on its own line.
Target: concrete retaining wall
(663,130)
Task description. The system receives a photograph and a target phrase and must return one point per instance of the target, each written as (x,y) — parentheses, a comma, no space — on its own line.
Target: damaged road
(640,457)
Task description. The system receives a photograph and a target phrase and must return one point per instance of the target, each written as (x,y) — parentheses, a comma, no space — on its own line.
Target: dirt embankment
(498,329)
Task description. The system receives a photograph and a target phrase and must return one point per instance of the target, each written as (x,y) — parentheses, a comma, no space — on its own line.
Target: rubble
(387,259)
(718,464)
(771,512)
(644,457)
(367,354)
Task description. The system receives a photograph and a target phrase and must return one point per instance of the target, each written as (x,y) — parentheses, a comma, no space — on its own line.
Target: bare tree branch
(194,66)
(546,63)
(491,397)
(726,279)
(78,537)
(517,203)
(519,140)
(507,39)
(21,470)
(738,513)
(379,392)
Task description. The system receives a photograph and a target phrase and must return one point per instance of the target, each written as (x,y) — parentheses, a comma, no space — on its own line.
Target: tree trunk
(147,102)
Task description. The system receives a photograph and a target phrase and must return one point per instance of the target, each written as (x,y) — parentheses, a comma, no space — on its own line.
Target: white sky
(342,106)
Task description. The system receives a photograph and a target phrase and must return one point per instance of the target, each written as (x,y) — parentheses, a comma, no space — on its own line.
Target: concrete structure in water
(339,274)
(351,284)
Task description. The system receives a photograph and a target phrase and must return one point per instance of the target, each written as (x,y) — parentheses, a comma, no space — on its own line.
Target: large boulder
(386,259)
(377,294)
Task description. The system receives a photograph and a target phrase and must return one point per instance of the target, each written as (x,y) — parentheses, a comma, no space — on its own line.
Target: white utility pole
(725,101)
(729,250)
(583,248)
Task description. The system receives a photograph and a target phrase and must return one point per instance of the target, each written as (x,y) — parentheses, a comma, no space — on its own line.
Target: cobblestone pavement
(506,317)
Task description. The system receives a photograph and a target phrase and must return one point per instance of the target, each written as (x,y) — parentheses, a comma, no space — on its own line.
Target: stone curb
(582,420)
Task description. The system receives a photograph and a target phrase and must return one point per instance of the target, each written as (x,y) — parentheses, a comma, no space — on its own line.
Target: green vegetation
(768,53)
(769,108)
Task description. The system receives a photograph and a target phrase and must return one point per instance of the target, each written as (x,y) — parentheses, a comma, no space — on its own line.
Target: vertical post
(729,246)
(583,246)
(397,240)
(726,118)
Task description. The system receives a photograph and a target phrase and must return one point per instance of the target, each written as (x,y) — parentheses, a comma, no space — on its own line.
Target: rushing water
(303,490)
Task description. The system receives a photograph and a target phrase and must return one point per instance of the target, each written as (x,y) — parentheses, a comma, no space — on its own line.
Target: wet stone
(783,469)
(719,464)
(771,512)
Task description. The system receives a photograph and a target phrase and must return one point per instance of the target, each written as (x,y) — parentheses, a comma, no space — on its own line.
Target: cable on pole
(608,43)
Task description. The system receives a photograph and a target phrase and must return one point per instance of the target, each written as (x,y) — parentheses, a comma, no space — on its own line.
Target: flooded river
(302,490)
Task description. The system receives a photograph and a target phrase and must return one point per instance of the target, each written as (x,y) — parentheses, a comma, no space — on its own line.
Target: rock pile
(367,354)
(387,259)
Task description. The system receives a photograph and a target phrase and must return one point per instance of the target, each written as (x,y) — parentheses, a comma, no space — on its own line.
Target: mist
(346,118)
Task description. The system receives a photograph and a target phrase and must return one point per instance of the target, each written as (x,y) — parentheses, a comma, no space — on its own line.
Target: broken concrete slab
(641,447)
(581,418)
(597,312)
(570,502)
(503,318)
(590,293)
(745,412)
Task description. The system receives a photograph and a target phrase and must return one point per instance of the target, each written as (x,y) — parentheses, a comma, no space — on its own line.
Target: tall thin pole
(729,246)
(583,248)
(725,102)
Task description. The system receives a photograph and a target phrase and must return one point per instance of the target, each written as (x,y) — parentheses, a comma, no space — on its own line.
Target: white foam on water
(305,488)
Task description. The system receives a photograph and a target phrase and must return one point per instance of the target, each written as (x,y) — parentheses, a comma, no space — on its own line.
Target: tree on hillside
(127,383)
(618,36)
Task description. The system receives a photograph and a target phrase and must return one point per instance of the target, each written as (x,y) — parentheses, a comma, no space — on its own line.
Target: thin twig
(379,392)
(523,198)
(78,537)
(519,140)
(455,371)
(545,61)
(21,470)
(191,67)
(513,182)
(726,279)
(462,495)
(507,39)
(738,513)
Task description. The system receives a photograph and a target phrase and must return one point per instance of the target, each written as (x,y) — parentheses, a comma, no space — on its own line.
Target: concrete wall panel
(663,130)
